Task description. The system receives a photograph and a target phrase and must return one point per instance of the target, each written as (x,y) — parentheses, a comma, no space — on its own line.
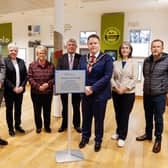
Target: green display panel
(5,37)
(112,28)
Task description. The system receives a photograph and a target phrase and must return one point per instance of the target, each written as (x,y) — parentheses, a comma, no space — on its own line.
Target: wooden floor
(38,150)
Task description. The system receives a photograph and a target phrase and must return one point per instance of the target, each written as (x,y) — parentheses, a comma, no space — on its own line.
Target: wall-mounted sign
(111,35)
(5,33)
(5,37)
(67,27)
(112,27)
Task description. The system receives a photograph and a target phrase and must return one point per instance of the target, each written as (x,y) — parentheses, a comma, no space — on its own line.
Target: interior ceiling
(12,6)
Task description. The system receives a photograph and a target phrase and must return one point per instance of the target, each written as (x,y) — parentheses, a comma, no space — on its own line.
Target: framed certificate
(69,81)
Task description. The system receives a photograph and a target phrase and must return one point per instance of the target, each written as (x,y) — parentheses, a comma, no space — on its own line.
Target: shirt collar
(71,54)
(41,65)
(96,55)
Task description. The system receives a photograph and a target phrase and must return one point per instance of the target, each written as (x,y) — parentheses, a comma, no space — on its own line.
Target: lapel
(74,61)
(99,55)
(126,65)
(66,61)
(10,64)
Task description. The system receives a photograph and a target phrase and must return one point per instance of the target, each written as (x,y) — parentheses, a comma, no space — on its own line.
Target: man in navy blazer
(99,69)
(15,81)
(70,61)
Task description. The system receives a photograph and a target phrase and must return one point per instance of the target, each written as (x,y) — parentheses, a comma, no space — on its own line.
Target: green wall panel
(112,28)
(5,37)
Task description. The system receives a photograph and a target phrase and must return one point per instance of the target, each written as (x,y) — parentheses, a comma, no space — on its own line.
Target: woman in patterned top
(41,79)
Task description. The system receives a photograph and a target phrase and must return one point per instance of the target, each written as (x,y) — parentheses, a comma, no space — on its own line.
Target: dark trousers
(92,108)
(76,110)
(1,95)
(123,105)
(154,106)
(42,102)
(15,100)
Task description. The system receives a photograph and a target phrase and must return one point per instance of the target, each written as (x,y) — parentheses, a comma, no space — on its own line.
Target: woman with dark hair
(123,91)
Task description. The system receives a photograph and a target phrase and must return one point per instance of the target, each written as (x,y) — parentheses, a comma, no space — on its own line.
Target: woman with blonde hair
(41,79)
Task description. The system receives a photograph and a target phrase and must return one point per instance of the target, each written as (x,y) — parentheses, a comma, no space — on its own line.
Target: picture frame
(140,40)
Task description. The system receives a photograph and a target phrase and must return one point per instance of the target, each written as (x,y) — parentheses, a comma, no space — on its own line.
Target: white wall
(82,20)
(20,22)
(153,20)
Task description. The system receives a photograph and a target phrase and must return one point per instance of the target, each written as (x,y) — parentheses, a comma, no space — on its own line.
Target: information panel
(69,81)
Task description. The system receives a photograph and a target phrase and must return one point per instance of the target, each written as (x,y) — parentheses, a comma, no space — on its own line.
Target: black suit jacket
(63,62)
(10,79)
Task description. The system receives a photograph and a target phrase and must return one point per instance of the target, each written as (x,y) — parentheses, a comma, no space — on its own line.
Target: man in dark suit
(15,81)
(70,61)
(2,76)
(98,68)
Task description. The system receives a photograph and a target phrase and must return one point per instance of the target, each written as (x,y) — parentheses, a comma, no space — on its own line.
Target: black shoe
(156,147)
(83,142)
(38,130)
(20,129)
(3,142)
(61,129)
(97,146)
(78,129)
(11,133)
(48,130)
(143,138)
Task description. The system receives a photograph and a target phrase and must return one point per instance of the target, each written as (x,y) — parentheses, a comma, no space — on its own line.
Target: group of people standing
(13,74)
(13,79)
(104,79)
(155,88)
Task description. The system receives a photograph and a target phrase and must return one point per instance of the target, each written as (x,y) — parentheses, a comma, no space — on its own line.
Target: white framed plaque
(70,81)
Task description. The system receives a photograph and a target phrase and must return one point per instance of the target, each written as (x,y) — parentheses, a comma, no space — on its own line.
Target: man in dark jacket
(70,61)
(155,71)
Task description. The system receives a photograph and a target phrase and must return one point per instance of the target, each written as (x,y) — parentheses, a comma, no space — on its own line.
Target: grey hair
(72,41)
(12,45)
